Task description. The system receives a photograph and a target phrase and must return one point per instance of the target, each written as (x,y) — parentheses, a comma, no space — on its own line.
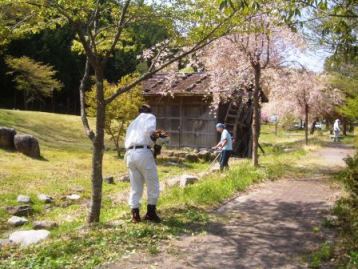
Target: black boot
(152,214)
(135,215)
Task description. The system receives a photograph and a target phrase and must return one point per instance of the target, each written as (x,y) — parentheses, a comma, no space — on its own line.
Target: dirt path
(272,226)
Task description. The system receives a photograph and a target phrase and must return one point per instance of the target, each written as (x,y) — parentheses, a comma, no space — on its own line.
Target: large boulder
(7,138)
(26,238)
(28,145)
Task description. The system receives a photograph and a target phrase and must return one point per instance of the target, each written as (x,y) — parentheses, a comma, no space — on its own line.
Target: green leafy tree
(335,23)
(15,21)
(342,69)
(36,80)
(120,112)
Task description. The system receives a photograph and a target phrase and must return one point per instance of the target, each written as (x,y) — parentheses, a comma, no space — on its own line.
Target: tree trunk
(98,149)
(313,126)
(116,144)
(256,116)
(344,123)
(328,125)
(306,123)
(25,101)
(351,127)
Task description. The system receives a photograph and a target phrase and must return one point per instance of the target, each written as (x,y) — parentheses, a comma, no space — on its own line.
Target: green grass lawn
(66,167)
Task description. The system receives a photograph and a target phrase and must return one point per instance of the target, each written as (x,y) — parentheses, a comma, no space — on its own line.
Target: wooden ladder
(233,116)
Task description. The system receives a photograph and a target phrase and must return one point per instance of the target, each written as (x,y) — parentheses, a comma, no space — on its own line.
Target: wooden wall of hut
(186,118)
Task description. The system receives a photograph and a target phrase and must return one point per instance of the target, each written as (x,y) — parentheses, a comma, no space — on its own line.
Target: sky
(312,58)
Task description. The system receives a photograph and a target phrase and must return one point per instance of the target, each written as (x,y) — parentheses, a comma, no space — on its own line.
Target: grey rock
(73,197)
(20,211)
(173,182)
(28,145)
(7,138)
(124,178)
(192,157)
(109,180)
(23,199)
(180,154)
(78,189)
(186,180)
(45,198)
(204,155)
(182,181)
(17,221)
(43,224)
(26,238)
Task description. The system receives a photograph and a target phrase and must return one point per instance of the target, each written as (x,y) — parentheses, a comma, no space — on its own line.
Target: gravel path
(272,226)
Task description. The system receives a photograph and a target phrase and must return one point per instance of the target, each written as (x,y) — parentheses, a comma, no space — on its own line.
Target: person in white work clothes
(141,164)
(336,130)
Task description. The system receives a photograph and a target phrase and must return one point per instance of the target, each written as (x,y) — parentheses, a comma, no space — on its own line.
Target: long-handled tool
(212,164)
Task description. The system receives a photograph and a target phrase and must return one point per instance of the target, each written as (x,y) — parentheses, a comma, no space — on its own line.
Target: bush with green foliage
(347,211)
(120,112)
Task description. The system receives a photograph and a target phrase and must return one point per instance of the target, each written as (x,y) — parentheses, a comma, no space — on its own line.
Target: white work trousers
(142,168)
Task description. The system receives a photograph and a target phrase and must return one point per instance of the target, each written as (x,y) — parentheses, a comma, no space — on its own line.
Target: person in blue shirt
(225,145)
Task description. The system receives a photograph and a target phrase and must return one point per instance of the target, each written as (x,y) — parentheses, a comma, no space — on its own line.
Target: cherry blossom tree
(255,50)
(303,94)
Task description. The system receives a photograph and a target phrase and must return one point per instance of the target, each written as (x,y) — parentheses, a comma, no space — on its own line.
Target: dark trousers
(224,159)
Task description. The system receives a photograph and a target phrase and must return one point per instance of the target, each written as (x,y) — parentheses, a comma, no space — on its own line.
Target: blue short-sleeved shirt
(225,135)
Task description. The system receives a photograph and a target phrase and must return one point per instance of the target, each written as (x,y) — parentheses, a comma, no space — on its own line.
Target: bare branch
(84,84)
(120,27)
(201,44)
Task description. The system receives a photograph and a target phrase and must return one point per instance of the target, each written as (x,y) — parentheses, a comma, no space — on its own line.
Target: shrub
(347,211)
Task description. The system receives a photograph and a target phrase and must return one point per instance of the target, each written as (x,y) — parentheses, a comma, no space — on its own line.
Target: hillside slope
(53,130)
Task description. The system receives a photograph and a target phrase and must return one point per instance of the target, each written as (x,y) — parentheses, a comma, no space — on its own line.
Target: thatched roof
(180,84)
(194,84)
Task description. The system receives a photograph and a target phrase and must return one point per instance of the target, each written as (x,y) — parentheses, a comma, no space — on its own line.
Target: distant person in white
(141,164)
(336,130)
